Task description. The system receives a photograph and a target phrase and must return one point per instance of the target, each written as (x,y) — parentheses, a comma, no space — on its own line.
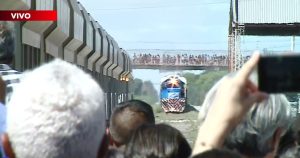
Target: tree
(144,91)
(199,85)
(149,90)
(136,86)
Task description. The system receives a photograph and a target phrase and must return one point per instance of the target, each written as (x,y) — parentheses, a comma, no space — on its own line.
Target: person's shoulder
(6,69)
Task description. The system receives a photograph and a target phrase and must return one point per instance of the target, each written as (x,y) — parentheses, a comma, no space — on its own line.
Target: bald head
(128,117)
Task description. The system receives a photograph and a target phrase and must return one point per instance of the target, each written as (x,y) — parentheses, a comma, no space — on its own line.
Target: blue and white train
(173,93)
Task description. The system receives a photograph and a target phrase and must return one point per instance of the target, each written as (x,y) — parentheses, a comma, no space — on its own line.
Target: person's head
(115,153)
(259,133)
(7,42)
(217,153)
(288,145)
(127,117)
(56,111)
(292,152)
(157,141)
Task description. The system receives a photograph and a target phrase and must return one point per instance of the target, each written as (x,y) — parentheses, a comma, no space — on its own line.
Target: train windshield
(172,83)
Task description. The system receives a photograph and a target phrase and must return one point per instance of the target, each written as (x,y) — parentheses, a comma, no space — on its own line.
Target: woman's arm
(233,99)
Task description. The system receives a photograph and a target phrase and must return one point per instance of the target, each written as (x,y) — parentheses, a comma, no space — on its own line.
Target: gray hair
(56,111)
(7,41)
(292,152)
(8,25)
(252,134)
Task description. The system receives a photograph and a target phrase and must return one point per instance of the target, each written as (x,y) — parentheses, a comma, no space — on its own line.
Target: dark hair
(114,153)
(7,43)
(157,141)
(287,141)
(245,148)
(217,153)
(127,117)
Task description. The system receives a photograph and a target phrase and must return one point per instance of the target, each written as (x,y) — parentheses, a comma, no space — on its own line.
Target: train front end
(173,96)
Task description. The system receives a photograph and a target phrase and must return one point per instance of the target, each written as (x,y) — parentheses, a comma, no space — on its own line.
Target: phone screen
(279,74)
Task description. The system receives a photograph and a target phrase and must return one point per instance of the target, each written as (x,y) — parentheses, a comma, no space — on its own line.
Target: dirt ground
(186,122)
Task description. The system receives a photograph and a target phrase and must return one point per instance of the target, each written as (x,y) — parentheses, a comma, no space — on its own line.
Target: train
(76,38)
(173,93)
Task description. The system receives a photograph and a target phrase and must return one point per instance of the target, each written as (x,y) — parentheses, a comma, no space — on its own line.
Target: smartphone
(279,73)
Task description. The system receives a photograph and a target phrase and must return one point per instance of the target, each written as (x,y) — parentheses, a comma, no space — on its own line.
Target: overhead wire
(163,6)
(194,42)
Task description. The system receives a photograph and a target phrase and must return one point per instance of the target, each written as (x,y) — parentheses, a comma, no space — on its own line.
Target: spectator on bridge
(158,59)
(56,111)
(157,141)
(223,110)
(127,117)
(181,59)
(178,59)
(134,58)
(7,45)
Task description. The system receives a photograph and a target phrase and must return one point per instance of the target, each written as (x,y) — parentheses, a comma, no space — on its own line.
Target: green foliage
(144,91)
(136,86)
(157,108)
(199,85)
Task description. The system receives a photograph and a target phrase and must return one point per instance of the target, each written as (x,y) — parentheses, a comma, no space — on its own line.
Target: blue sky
(167,24)
(173,24)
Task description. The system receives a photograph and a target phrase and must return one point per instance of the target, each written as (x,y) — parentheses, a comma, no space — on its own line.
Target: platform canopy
(266,17)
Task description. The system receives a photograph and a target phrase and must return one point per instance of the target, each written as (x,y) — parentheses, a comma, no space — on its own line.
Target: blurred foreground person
(7,46)
(288,146)
(217,153)
(157,141)
(115,153)
(235,115)
(293,152)
(2,106)
(259,133)
(127,117)
(57,111)
(2,112)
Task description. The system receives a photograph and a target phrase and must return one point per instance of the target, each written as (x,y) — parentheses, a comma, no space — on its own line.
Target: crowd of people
(183,59)
(58,111)
(180,59)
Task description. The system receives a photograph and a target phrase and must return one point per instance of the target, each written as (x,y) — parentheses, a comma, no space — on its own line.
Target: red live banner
(28,15)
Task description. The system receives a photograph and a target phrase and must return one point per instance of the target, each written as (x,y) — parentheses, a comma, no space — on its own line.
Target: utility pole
(293,44)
